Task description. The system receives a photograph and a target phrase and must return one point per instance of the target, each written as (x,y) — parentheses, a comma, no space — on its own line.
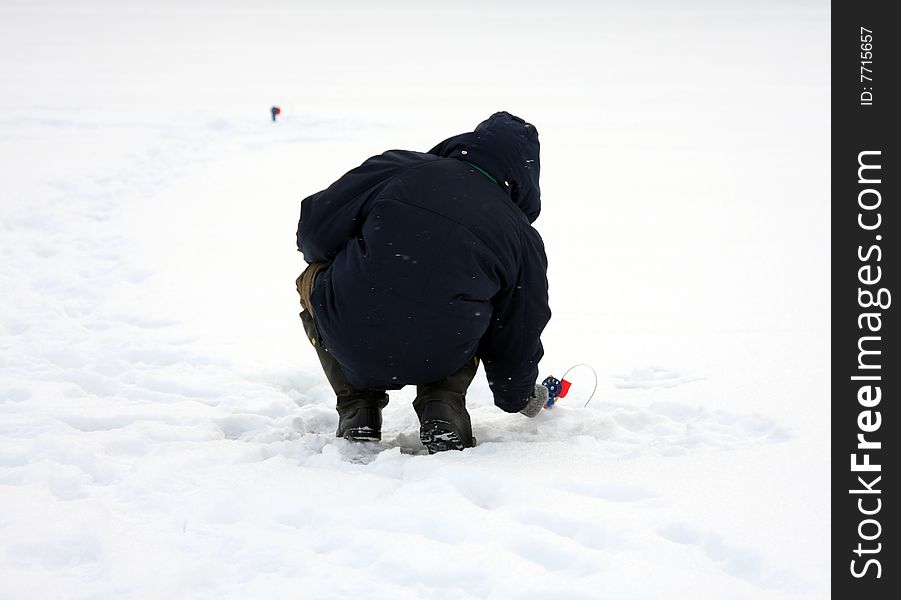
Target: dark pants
(451,390)
(349,398)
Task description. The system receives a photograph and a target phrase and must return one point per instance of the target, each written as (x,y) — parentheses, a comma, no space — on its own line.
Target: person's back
(423,262)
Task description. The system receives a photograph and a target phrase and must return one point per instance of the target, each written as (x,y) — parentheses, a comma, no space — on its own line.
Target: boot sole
(362,434)
(438,436)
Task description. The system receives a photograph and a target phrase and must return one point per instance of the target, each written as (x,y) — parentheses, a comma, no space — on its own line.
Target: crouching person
(421,265)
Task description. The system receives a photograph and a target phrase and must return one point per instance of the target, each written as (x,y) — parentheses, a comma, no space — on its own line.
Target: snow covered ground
(165,431)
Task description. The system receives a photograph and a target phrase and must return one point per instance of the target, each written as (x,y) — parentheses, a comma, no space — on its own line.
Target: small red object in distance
(564,388)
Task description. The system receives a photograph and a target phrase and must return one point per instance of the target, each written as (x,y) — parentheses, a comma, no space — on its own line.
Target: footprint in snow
(738,561)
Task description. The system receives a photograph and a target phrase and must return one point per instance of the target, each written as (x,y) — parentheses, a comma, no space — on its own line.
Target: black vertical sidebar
(866,367)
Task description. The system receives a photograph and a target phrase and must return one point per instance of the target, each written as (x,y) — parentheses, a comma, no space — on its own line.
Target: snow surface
(165,431)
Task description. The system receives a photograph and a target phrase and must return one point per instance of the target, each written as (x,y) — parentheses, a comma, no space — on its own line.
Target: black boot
(441,408)
(359,411)
(360,416)
(445,427)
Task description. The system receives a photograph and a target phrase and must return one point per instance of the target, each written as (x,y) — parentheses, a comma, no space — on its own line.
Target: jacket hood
(507,148)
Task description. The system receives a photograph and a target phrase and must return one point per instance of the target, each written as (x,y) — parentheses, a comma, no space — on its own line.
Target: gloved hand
(536,402)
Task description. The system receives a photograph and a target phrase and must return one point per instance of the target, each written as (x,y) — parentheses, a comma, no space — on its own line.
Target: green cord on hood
(480,170)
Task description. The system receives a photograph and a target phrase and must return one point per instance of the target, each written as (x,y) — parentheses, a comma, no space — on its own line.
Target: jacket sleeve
(511,347)
(331,218)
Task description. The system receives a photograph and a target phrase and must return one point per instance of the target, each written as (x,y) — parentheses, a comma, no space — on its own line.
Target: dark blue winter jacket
(434,261)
